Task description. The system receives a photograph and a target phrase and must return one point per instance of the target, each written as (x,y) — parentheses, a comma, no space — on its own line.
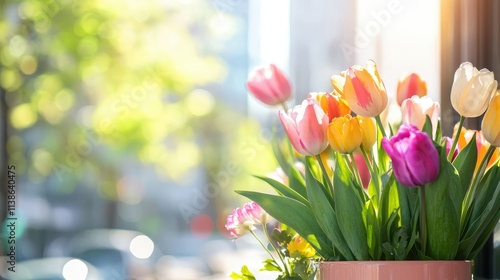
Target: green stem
(455,141)
(277,251)
(264,246)
(423,219)
(380,125)
(285,107)
(325,173)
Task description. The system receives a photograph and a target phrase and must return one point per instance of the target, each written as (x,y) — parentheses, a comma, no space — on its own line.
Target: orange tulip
(482,145)
(332,104)
(410,85)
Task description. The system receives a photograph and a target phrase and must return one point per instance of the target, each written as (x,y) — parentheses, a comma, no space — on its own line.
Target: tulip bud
(491,122)
(415,110)
(415,160)
(306,126)
(472,90)
(448,142)
(368,132)
(364,90)
(410,85)
(332,104)
(269,85)
(344,134)
(364,172)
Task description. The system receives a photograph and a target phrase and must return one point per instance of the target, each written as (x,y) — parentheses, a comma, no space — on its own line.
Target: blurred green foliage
(91,83)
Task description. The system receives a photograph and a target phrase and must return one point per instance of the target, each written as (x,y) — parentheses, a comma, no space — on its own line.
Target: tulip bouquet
(354,190)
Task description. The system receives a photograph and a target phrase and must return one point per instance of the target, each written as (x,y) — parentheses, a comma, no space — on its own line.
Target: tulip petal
(292,132)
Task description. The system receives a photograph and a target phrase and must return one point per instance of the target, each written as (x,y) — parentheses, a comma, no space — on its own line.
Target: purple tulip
(415,160)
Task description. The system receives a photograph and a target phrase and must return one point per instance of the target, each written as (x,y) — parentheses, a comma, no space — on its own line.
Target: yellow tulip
(491,122)
(368,131)
(344,134)
(364,90)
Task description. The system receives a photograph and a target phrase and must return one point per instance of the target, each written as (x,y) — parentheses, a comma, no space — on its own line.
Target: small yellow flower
(298,248)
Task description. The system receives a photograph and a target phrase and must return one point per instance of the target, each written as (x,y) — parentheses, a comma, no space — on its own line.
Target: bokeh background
(130,127)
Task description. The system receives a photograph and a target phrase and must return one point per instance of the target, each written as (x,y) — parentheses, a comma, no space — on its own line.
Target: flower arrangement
(354,190)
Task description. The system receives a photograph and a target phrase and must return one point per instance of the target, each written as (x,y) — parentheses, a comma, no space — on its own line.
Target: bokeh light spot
(75,270)
(42,161)
(200,102)
(28,65)
(23,116)
(202,225)
(64,99)
(142,247)
(10,80)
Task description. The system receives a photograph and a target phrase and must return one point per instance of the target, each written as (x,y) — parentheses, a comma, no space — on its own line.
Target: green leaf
(349,206)
(245,274)
(270,265)
(296,181)
(485,191)
(479,229)
(389,203)
(372,226)
(465,163)
(297,216)
(439,132)
(443,222)
(428,126)
(325,215)
(284,190)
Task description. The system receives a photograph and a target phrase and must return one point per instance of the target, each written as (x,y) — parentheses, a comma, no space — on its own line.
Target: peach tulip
(414,111)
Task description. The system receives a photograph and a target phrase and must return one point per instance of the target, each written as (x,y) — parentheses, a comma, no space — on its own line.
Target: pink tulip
(415,110)
(269,84)
(306,126)
(243,220)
